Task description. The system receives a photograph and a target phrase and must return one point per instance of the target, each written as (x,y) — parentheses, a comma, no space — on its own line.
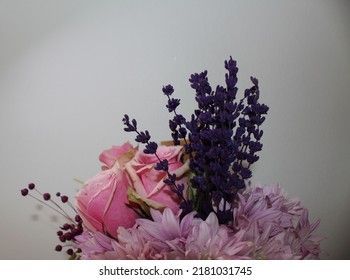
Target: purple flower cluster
(69,230)
(224,138)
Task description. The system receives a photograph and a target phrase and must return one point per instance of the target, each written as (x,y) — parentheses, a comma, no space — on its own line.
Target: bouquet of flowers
(192,199)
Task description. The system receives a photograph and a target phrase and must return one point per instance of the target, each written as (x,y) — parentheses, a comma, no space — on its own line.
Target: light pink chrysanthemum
(209,240)
(166,237)
(167,227)
(131,245)
(93,244)
(279,227)
(266,225)
(148,239)
(156,237)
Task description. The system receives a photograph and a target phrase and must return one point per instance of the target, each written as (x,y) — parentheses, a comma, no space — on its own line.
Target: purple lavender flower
(224,137)
(223,140)
(162,165)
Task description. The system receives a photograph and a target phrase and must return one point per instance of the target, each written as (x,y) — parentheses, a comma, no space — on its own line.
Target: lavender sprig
(177,124)
(162,165)
(224,137)
(223,140)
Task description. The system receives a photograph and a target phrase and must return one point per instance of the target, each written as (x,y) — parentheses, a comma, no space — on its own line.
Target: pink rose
(147,182)
(101,201)
(109,156)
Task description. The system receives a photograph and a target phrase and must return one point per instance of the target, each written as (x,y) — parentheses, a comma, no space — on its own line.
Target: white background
(69,70)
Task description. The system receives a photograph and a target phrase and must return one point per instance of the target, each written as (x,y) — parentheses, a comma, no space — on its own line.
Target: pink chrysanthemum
(130,246)
(279,227)
(167,237)
(208,240)
(148,239)
(266,225)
